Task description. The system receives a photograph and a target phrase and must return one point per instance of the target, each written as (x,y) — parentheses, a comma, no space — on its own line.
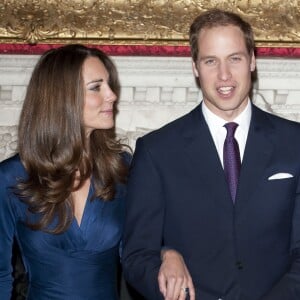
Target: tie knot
(231,127)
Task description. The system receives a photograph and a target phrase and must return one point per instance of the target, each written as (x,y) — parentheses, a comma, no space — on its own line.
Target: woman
(62,196)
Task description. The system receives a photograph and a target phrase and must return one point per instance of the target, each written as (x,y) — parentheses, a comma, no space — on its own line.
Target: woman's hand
(174,279)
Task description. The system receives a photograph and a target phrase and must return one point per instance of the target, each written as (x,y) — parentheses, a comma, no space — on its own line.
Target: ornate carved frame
(136,26)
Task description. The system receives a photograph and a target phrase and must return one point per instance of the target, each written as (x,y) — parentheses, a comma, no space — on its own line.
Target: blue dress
(79,264)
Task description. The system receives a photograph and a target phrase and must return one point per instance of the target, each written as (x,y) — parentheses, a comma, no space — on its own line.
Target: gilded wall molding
(131,22)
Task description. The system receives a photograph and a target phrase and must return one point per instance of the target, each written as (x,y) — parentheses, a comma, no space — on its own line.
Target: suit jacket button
(239,265)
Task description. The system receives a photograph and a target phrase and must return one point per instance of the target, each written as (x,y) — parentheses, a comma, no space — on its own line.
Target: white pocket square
(280,176)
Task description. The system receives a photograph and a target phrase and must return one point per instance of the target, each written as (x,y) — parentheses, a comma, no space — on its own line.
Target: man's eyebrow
(206,57)
(238,53)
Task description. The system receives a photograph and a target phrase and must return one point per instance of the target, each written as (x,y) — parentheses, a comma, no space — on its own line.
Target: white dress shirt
(218,131)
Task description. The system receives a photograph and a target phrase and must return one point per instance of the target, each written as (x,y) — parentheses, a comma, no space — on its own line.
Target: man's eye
(209,61)
(235,58)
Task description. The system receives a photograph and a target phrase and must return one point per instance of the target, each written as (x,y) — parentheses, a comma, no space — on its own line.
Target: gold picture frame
(139,22)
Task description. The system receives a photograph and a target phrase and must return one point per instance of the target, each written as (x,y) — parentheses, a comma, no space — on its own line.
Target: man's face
(224,69)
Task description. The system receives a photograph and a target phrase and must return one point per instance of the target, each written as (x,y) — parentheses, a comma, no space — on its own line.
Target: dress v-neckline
(83,217)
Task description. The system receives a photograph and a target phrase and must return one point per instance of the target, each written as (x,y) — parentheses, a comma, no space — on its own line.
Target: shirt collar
(214,122)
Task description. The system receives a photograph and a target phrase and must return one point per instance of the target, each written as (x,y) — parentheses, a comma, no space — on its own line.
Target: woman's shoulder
(15,159)
(11,171)
(12,168)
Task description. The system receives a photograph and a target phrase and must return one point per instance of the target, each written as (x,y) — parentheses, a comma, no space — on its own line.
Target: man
(238,242)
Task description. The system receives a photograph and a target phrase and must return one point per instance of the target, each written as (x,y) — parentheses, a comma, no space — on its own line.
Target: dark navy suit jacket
(178,198)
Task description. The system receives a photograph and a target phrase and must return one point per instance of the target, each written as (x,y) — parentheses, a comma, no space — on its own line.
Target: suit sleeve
(288,287)
(7,228)
(144,224)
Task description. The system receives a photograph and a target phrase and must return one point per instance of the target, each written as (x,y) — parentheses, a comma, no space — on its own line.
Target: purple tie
(231,159)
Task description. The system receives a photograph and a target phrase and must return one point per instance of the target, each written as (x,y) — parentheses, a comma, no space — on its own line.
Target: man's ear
(195,71)
(252,63)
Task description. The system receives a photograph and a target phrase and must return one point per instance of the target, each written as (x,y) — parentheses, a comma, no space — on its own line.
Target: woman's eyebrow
(95,81)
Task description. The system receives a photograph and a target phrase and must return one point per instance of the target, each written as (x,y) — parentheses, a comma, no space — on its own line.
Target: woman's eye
(95,88)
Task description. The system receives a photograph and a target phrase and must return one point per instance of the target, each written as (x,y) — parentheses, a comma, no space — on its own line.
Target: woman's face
(98,111)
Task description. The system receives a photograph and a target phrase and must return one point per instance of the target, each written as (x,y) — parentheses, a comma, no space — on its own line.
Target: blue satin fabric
(79,264)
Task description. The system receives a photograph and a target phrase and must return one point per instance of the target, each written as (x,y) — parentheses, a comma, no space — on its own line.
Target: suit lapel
(258,152)
(204,161)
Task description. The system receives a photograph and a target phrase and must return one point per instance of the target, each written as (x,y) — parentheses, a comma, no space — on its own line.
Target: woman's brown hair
(52,141)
